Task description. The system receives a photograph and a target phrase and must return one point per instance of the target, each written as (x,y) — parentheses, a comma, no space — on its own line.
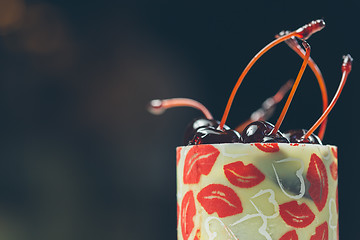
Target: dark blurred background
(80,158)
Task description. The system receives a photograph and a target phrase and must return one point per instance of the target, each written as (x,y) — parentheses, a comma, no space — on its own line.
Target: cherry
(198,123)
(201,130)
(297,136)
(261,131)
(211,135)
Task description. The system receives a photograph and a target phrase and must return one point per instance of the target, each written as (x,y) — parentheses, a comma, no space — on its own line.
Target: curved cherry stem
(346,69)
(282,91)
(246,70)
(295,46)
(293,90)
(158,106)
(268,107)
(309,29)
(303,33)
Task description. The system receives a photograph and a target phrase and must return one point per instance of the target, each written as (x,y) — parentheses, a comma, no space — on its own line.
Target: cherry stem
(293,90)
(303,33)
(158,106)
(309,29)
(246,70)
(265,112)
(282,91)
(294,45)
(346,69)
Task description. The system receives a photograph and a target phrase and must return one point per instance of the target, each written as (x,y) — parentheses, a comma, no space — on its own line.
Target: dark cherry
(260,131)
(211,135)
(197,123)
(296,136)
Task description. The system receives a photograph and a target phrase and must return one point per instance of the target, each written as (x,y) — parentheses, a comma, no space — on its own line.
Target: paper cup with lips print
(257,191)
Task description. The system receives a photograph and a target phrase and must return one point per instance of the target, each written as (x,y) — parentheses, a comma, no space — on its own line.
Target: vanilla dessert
(256,182)
(257,191)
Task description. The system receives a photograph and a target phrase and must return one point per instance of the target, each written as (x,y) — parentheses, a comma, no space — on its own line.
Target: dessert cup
(257,191)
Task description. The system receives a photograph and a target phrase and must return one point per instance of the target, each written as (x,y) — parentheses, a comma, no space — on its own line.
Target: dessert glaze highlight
(257,191)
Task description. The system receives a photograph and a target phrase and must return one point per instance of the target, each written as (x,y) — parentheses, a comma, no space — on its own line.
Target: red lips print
(334,151)
(295,215)
(268,147)
(318,179)
(199,161)
(291,235)
(321,232)
(220,199)
(178,213)
(334,170)
(178,154)
(243,176)
(197,235)
(188,212)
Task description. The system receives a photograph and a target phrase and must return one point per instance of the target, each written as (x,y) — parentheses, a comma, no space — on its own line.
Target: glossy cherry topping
(261,131)
(210,135)
(209,131)
(197,124)
(297,136)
